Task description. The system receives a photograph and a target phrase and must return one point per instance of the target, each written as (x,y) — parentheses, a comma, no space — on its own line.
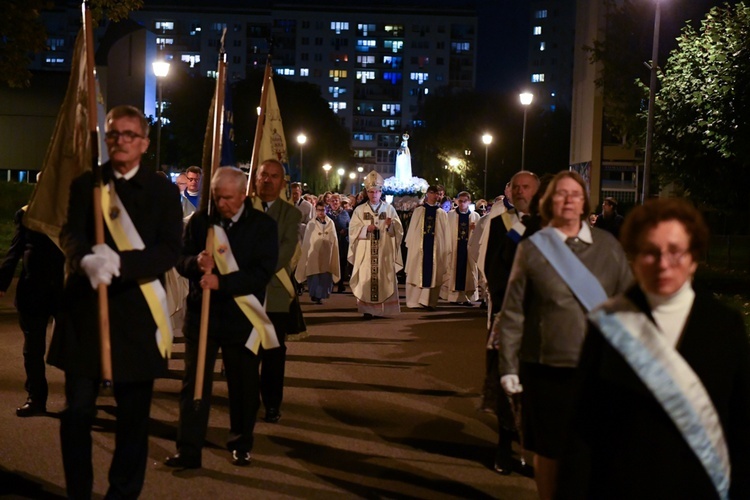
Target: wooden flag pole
(218,129)
(259,126)
(105,348)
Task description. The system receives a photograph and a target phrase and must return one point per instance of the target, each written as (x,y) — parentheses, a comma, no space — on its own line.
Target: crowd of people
(598,350)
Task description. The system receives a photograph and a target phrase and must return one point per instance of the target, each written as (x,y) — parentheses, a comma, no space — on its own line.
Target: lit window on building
(212,74)
(458,47)
(164,25)
(392,109)
(54,61)
(363,76)
(395,62)
(537,30)
(420,77)
(394,45)
(336,74)
(285,71)
(364,29)
(304,72)
(195,28)
(218,26)
(336,91)
(392,76)
(161,41)
(365,60)
(394,29)
(364,45)
(361,136)
(542,46)
(540,14)
(336,106)
(55,43)
(191,59)
(537,78)
(338,27)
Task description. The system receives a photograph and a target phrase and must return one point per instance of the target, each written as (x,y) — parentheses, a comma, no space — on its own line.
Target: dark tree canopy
(702,121)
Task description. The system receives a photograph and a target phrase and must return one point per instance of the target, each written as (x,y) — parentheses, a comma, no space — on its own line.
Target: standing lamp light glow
(161,70)
(327,168)
(301,140)
(487,140)
(526,99)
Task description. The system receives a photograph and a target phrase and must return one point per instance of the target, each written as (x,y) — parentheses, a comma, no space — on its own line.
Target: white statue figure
(403,160)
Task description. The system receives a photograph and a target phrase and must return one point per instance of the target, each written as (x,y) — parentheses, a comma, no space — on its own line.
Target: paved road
(378,409)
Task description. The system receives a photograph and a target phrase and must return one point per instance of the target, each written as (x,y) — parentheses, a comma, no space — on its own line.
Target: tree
(22,32)
(702,118)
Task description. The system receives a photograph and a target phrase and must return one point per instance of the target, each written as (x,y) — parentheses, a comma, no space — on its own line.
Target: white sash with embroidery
(263,333)
(671,380)
(126,237)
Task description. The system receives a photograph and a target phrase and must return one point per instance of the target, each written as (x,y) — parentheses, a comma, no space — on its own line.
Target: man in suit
(38,296)
(142,241)
(251,240)
(504,231)
(281,293)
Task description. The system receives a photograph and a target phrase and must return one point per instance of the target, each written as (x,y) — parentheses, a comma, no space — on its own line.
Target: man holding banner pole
(237,271)
(142,241)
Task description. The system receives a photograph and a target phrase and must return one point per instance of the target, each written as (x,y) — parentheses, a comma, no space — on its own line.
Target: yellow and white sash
(263,334)
(282,274)
(126,237)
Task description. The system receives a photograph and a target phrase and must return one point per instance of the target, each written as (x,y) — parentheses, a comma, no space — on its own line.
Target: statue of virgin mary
(403,160)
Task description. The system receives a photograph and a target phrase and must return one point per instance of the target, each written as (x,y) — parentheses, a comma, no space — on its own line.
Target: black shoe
(317,302)
(31,409)
(504,464)
(182,462)
(367,316)
(341,289)
(273,415)
(241,459)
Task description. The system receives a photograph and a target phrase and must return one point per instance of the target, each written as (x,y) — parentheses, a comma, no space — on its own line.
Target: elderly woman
(664,405)
(319,264)
(558,275)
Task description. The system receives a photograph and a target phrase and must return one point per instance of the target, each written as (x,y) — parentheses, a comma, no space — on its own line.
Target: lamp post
(359,178)
(352,176)
(327,168)
(453,162)
(341,173)
(301,140)
(526,98)
(161,70)
(651,102)
(487,140)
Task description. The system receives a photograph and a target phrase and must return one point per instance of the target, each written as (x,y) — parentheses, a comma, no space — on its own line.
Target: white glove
(511,384)
(113,258)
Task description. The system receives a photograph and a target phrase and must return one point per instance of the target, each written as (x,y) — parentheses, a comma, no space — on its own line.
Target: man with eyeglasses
(143,238)
(610,220)
(192,193)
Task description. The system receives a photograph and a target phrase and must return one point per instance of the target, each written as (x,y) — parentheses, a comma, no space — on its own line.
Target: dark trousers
(128,469)
(274,363)
(241,369)
(34,327)
(343,263)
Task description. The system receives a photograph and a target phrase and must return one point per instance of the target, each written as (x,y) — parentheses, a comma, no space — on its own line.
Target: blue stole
(671,380)
(577,276)
(192,199)
(428,244)
(462,251)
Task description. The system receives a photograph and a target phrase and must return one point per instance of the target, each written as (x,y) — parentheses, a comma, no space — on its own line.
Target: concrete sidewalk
(372,409)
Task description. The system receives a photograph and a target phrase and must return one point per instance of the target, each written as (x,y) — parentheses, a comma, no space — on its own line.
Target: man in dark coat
(38,296)
(251,240)
(149,207)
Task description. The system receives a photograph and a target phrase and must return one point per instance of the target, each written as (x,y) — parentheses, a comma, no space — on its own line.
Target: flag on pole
(69,151)
(273,142)
(227,141)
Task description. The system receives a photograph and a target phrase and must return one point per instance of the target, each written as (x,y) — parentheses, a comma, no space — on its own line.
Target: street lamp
(341,173)
(301,140)
(526,99)
(651,101)
(327,168)
(352,176)
(161,70)
(487,140)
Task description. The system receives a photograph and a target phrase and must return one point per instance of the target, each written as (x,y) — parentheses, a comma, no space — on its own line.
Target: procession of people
(598,341)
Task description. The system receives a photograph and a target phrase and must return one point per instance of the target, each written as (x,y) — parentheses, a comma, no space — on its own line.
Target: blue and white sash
(579,279)
(513,226)
(263,333)
(671,380)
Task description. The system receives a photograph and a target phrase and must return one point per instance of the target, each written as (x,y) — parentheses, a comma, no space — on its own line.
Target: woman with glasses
(559,274)
(664,403)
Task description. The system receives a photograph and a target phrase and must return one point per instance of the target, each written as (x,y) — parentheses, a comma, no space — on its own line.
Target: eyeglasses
(193,179)
(654,255)
(563,195)
(127,136)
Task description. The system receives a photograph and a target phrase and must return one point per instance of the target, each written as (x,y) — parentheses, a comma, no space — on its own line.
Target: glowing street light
(161,70)
(526,99)
(487,140)
(301,140)
(327,168)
